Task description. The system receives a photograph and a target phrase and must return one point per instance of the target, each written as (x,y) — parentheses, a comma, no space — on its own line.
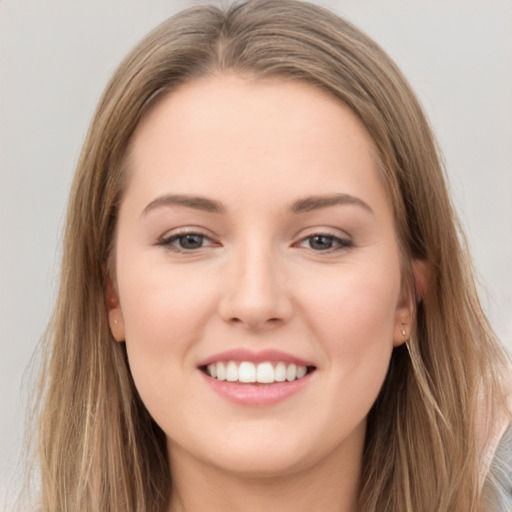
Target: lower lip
(253,395)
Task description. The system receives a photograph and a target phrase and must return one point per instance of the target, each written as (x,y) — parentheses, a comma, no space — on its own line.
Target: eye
(325,242)
(185,242)
(191,241)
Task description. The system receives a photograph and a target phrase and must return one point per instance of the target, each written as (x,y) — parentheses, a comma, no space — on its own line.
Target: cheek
(354,316)
(161,306)
(164,315)
(355,305)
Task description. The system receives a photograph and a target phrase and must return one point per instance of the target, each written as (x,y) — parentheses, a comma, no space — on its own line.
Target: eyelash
(168,242)
(340,243)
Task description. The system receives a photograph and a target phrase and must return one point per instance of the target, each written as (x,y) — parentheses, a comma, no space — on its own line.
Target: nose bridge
(256,294)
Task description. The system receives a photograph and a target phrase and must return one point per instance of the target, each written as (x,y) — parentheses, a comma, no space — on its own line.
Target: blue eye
(184,241)
(321,242)
(325,242)
(191,241)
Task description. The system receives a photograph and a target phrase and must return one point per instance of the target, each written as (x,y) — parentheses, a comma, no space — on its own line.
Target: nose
(256,294)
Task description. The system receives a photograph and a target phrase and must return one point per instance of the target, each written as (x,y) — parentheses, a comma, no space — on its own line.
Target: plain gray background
(56,56)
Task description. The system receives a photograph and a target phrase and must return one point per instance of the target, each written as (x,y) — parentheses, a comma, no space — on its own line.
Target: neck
(327,486)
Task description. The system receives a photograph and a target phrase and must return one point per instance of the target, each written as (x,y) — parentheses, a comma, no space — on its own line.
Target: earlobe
(411,294)
(402,332)
(403,327)
(115,315)
(115,320)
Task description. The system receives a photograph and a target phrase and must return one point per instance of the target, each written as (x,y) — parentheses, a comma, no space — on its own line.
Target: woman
(265,300)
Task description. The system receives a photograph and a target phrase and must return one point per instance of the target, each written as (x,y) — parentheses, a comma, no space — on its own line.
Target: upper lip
(260,356)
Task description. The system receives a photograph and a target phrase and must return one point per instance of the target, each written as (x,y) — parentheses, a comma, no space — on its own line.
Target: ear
(115,315)
(421,273)
(411,294)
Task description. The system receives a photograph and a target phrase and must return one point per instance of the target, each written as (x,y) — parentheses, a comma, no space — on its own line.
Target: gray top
(499,492)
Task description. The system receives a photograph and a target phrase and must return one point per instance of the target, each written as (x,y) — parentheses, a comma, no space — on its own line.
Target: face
(258,280)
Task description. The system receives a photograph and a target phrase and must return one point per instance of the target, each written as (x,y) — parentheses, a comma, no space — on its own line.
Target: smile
(256,378)
(266,372)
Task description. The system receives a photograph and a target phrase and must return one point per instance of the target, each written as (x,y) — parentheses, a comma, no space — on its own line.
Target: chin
(267,451)
(263,464)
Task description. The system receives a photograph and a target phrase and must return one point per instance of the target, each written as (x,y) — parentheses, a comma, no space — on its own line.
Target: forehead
(227,101)
(284,134)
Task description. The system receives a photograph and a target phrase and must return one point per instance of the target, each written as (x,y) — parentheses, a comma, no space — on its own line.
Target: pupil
(191,241)
(321,242)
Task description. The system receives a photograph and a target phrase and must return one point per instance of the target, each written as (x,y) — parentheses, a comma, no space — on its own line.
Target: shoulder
(499,479)
(497,433)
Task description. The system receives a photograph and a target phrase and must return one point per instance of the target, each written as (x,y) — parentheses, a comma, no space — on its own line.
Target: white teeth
(263,373)
(280,372)
(232,372)
(291,372)
(301,371)
(212,370)
(221,371)
(246,372)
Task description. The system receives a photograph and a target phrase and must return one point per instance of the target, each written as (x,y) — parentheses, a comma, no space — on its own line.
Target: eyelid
(170,236)
(343,241)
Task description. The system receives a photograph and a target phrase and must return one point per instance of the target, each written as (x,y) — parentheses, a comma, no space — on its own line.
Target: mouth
(248,372)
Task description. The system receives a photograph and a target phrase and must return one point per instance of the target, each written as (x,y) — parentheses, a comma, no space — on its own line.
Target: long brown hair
(98,447)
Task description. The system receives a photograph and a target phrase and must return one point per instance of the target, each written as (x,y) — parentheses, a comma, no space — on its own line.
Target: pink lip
(243,354)
(252,395)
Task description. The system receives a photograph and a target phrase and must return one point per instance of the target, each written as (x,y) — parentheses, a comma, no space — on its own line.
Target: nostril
(255,323)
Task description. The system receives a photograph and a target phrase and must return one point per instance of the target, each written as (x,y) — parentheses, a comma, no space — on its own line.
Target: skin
(258,282)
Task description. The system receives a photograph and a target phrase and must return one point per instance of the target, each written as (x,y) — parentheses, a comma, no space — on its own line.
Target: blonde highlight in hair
(99,449)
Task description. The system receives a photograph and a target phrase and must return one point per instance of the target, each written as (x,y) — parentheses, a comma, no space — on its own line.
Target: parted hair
(428,433)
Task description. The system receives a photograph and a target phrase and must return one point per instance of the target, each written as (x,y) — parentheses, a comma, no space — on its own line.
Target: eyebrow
(303,205)
(195,202)
(316,202)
